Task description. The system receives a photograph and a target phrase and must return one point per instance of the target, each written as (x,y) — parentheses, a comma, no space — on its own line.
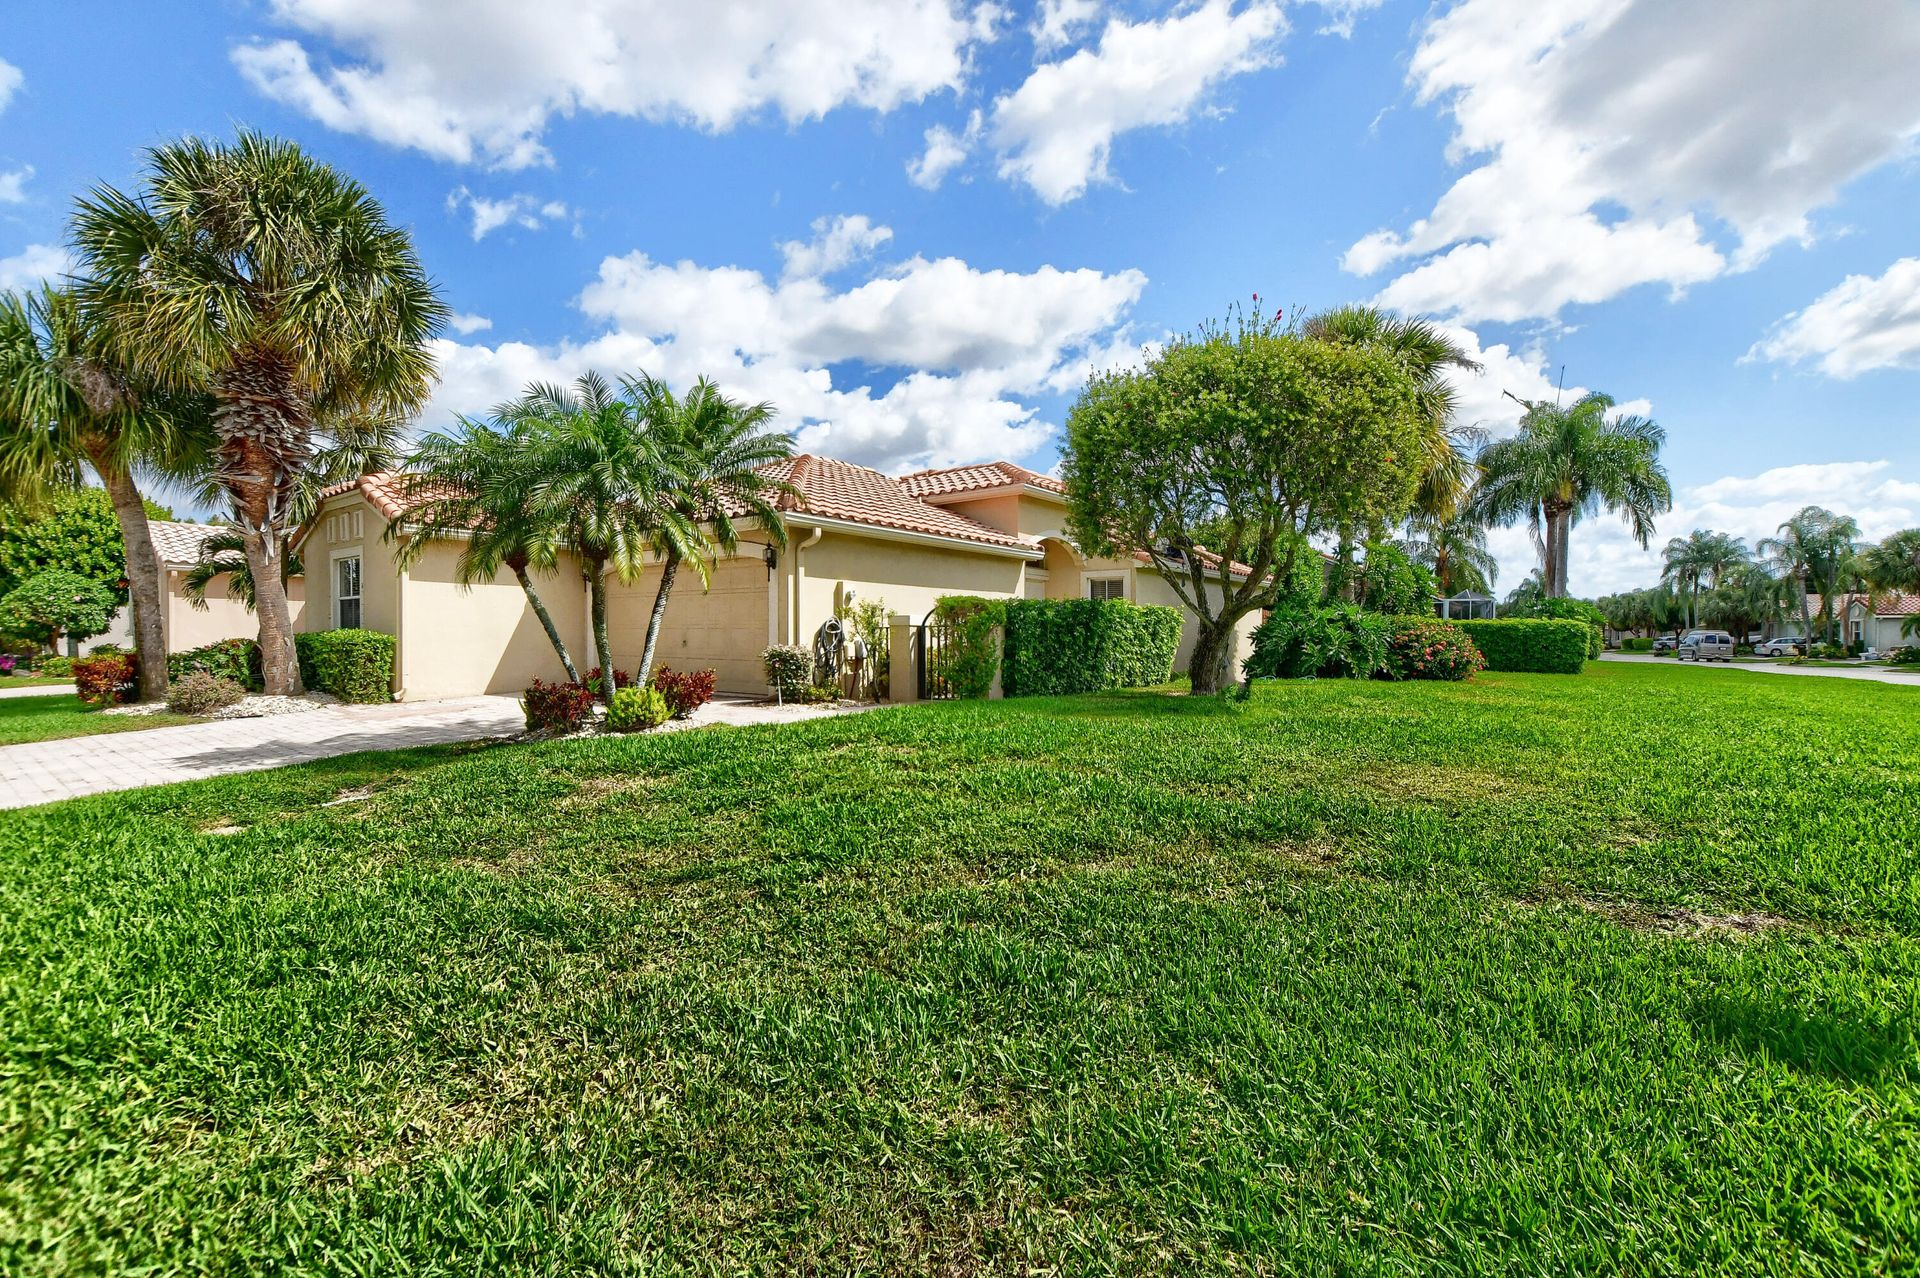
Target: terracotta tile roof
(965,479)
(1207,557)
(841,490)
(382,489)
(1888,605)
(175,543)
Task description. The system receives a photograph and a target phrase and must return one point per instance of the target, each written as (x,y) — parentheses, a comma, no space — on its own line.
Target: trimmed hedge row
(1058,646)
(1531,647)
(353,665)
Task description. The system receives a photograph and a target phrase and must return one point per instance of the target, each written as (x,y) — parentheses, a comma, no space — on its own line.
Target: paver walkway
(45,771)
(44,690)
(1866,673)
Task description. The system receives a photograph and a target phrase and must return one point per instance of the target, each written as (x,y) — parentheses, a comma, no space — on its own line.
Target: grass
(50,717)
(34,681)
(1615,973)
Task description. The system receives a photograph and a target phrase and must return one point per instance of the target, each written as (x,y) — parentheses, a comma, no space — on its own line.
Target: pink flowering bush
(1427,648)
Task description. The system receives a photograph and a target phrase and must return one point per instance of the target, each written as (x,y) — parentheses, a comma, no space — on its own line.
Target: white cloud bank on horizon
(1598,134)
(968,346)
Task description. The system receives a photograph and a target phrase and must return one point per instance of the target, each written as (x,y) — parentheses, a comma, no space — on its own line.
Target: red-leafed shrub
(555,707)
(685,691)
(1425,648)
(108,680)
(595,682)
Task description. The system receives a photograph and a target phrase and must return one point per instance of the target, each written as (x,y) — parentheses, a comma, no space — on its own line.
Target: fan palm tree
(1702,560)
(1894,564)
(1568,463)
(1454,547)
(1814,549)
(602,482)
(717,451)
(269,281)
(475,485)
(65,408)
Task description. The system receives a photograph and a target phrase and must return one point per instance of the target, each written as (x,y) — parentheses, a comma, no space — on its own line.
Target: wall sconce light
(772,556)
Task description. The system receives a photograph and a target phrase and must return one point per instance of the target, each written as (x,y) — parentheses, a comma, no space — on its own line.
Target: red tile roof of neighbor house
(1893,604)
(966,479)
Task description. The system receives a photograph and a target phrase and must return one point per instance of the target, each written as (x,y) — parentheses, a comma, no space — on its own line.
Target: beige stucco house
(177,546)
(854,534)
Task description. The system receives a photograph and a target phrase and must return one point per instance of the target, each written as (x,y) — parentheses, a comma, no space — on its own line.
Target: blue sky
(915,225)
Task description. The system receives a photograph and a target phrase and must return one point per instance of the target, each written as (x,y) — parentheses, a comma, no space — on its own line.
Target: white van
(1706,645)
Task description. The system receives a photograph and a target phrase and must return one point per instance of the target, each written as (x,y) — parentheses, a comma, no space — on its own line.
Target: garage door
(724,629)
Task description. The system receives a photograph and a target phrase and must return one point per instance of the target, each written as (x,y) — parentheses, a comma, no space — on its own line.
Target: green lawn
(1357,978)
(49,717)
(34,681)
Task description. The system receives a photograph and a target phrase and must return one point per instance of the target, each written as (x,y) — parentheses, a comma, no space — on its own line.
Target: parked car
(1779,646)
(1665,643)
(1706,645)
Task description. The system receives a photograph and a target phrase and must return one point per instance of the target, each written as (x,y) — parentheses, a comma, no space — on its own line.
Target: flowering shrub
(555,707)
(789,670)
(7,664)
(1423,648)
(685,691)
(105,681)
(1908,656)
(638,709)
(595,681)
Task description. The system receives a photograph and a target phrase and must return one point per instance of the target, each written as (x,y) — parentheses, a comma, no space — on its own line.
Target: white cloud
(467,324)
(1860,324)
(1055,131)
(13,184)
(1060,22)
(945,151)
(34,265)
(1342,14)
(10,82)
(1600,134)
(1606,560)
(489,215)
(963,348)
(1483,398)
(479,82)
(837,242)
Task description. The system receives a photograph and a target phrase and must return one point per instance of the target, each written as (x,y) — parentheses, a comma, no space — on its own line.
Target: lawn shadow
(1836,1045)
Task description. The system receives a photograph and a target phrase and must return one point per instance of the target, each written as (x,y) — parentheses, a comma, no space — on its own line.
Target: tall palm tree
(1894,564)
(1814,548)
(65,408)
(602,481)
(475,485)
(1454,547)
(1568,463)
(1702,560)
(255,274)
(717,451)
(1427,354)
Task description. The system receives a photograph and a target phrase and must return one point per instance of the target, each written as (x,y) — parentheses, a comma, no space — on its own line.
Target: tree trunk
(143,576)
(279,666)
(1212,650)
(546,621)
(1559,523)
(603,648)
(668,570)
(1441,575)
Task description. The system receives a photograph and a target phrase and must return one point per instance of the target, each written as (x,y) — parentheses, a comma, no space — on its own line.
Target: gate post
(903,674)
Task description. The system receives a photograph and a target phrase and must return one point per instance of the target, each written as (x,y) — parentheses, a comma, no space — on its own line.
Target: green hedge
(971,658)
(1536,647)
(236,660)
(1057,646)
(353,665)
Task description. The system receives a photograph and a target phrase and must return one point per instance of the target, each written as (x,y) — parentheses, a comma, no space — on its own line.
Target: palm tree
(1814,547)
(65,407)
(602,482)
(1701,560)
(224,554)
(259,276)
(1568,463)
(1894,564)
(475,485)
(1454,547)
(717,453)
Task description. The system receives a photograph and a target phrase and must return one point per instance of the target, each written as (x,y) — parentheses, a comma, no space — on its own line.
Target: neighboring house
(1873,621)
(177,546)
(854,534)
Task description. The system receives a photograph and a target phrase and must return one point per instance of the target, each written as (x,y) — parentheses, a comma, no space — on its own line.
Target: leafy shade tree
(717,454)
(1701,560)
(1454,548)
(1391,582)
(71,528)
(1568,463)
(67,407)
(1893,565)
(1815,549)
(256,275)
(476,485)
(50,604)
(1263,436)
(602,484)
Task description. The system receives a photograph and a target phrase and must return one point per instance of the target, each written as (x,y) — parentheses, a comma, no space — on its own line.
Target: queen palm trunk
(669,568)
(597,606)
(1559,519)
(519,569)
(143,574)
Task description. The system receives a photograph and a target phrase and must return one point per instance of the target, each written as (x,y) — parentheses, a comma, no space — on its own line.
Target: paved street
(1910,677)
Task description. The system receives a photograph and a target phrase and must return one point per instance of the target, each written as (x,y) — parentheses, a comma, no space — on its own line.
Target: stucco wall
(348,526)
(907,577)
(225,617)
(723,628)
(457,641)
(1020,513)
